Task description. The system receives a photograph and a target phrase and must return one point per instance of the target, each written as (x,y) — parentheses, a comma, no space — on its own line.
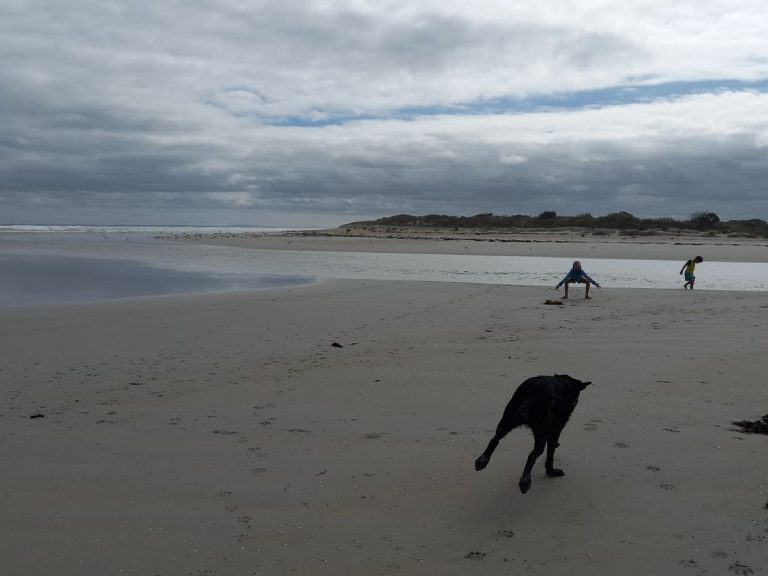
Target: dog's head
(577,385)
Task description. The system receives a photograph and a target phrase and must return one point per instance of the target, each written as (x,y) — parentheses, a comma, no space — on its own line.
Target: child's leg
(566,289)
(586,295)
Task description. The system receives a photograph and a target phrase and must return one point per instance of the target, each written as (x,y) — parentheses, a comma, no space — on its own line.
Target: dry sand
(224,434)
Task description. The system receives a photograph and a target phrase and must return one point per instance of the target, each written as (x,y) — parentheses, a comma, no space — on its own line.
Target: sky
(323,112)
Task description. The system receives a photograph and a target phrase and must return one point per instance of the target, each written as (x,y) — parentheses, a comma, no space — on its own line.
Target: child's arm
(590,280)
(563,281)
(684,265)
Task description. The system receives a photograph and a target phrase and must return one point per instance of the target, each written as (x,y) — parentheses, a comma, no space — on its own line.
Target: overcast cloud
(302,113)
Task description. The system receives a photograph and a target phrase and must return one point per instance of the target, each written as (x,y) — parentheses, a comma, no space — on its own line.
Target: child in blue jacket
(577,276)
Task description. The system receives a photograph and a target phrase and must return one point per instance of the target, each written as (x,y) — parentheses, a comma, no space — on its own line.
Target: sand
(226,434)
(561,244)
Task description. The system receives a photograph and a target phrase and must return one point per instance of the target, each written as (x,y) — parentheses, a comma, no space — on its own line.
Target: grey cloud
(166,107)
(368,173)
(296,58)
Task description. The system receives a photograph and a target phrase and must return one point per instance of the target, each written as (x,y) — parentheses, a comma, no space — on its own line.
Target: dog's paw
(481,463)
(525,484)
(555,472)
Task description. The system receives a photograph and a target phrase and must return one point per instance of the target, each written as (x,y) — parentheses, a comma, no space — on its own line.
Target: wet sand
(226,434)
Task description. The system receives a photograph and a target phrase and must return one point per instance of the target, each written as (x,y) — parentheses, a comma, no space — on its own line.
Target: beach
(332,428)
(579,243)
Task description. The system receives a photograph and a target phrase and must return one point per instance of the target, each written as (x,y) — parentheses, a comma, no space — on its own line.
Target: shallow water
(71,267)
(47,279)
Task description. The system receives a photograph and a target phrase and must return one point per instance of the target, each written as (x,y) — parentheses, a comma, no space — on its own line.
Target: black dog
(544,404)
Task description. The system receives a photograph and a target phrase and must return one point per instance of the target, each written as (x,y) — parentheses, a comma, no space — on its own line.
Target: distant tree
(754,223)
(755,226)
(662,223)
(585,220)
(548,215)
(484,220)
(396,220)
(621,220)
(704,220)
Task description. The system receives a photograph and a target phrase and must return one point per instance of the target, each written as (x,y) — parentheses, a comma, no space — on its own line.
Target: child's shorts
(689,277)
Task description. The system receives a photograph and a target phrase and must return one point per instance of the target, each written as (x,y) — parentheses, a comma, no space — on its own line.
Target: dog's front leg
(538,448)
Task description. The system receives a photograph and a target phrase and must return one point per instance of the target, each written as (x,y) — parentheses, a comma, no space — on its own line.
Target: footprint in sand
(718,554)
(740,569)
(474,555)
(505,534)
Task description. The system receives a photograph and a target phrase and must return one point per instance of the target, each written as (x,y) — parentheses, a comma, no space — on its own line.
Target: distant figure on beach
(688,268)
(577,276)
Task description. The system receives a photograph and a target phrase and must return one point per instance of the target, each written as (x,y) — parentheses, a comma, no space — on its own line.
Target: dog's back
(544,404)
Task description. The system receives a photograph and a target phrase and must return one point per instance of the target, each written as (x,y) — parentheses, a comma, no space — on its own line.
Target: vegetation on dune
(704,222)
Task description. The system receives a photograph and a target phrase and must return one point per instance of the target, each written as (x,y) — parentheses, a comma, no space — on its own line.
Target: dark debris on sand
(753,427)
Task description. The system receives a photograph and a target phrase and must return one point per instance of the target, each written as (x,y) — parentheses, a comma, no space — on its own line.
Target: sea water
(70,265)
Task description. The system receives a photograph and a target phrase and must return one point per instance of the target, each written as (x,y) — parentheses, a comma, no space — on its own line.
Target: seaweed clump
(755,426)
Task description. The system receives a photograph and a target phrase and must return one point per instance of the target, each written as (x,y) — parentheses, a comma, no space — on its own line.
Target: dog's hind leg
(538,449)
(504,428)
(514,415)
(552,445)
